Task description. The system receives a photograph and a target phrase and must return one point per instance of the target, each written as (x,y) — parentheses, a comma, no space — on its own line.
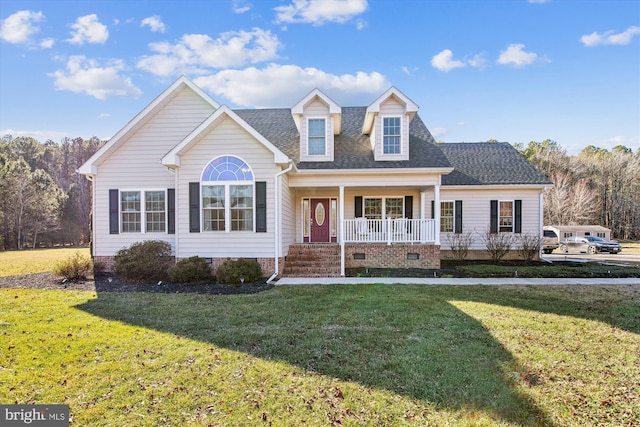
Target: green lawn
(14,263)
(323,355)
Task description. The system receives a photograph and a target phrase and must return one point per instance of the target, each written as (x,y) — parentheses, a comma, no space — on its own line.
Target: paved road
(621,258)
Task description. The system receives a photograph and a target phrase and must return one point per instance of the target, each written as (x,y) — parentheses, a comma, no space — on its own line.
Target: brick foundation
(392,256)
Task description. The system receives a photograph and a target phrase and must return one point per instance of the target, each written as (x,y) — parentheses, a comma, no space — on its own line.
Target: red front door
(320,220)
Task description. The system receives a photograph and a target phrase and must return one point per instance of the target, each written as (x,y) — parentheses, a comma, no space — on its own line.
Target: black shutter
(261,207)
(408,207)
(358,207)
(493,227)
(171,210)
(114,226)
(194,207)
(518,217)
(433,209)
(457,222)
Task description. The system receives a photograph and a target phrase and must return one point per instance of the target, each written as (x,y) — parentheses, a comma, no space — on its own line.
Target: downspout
(91,179)
(277,221)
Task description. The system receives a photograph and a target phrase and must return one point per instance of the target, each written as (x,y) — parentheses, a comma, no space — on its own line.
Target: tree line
(43,200)
(596,187)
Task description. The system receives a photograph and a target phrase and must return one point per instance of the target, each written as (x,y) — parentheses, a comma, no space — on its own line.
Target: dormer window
(317,138)
(391,136)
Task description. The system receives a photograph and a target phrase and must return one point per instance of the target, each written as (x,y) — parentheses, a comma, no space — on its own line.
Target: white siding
(320,110)
(288,214)
(228,138)
(391,107)
(136,165)
(476,210)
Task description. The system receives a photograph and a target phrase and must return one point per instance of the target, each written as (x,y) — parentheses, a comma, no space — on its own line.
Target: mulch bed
(112,284)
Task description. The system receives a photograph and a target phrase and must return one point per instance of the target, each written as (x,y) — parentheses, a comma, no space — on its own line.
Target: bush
(74,267)
(529,246)
(498,244)
(143,261)
(459,244)
(190,270)
(239,271)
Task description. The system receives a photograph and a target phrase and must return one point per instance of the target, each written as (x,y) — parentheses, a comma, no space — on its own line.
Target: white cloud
(444,61)
(284,85)
(154,23)
(88,77)
(195,52)
(40,135)
(539,1)
(47,43)
(623,38)
(241,6)
(19,27)
(409,71)
(436,132)
(318,12)
(87,29)
(516,56)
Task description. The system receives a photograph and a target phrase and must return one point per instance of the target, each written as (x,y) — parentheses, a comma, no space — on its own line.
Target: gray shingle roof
(487,163)
(352,148)
(474,163)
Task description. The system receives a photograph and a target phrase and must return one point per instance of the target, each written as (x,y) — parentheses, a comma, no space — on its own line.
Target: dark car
(589,244)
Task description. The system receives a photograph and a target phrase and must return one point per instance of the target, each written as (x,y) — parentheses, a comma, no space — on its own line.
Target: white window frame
(513,213)
(383,206)
(399,135)
(309,137)
(143,209)
(453,216)
(227,205)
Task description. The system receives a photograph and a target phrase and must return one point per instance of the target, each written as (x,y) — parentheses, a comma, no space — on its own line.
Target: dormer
(318,119)
(387,124)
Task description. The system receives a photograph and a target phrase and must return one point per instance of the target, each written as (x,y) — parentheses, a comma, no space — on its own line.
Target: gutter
(277,219)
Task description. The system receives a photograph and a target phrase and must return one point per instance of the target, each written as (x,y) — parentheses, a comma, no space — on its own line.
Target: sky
(506,70)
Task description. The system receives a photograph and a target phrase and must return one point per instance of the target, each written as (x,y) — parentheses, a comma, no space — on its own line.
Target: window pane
(506,216)
(391,135)
(241,204)
(227,168)
(446,217)
(317,138)
(213,207)
(155,211)
(394,207)
(130,208)
(373,208)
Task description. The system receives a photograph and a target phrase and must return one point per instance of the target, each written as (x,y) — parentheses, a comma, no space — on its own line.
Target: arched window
(227,195)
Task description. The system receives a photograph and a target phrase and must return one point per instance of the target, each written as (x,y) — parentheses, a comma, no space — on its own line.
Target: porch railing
(401,230)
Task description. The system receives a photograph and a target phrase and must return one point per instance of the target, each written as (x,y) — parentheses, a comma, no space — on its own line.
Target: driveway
(621,258)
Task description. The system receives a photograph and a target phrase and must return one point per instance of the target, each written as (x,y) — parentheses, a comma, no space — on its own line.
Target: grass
(14,263)
(551,270)
(328,355)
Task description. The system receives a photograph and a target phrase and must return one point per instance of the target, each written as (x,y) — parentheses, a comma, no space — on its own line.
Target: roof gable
(90,166)
(316,94)
(172,158)
(410,107)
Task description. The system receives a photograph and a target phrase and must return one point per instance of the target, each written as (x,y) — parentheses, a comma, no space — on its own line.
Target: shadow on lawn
(412,343)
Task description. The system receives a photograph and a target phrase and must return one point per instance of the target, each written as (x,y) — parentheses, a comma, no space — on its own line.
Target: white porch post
(341,230)
(436,211)
(423,212)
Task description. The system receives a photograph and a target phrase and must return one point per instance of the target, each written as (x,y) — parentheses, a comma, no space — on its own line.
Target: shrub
(529,246)
(232,272)
(74,267)
(498,244)
(143,261)
(459,244)
(190,270)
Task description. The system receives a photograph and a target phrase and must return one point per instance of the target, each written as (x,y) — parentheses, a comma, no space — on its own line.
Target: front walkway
(455,281)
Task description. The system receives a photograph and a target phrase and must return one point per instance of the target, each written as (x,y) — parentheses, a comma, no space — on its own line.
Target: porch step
(312,260)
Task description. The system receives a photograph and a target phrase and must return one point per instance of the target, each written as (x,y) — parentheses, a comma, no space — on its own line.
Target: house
(309,190)
(564,231)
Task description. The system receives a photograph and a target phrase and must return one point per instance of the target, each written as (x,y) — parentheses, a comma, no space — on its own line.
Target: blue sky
(511,70)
